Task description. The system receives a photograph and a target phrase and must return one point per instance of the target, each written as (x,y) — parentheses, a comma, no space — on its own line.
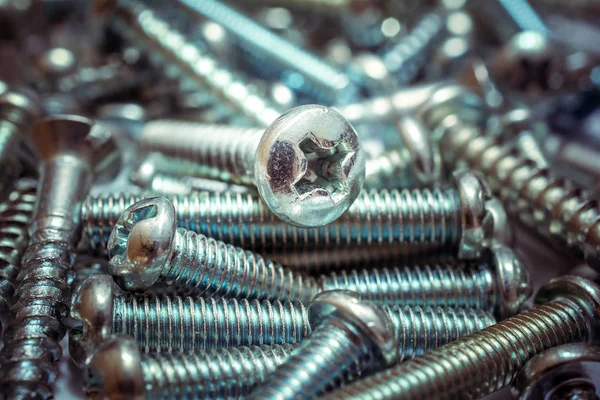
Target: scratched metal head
(310,166)
(140,243)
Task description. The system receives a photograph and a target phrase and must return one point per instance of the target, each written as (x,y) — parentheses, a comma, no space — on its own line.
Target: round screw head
(141,242)
(514,280)
(574,365)
(425,159)
(18,98)
(364,315)
(310,166)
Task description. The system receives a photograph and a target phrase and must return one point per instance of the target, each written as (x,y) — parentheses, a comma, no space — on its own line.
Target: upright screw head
(514,281)
(310,166)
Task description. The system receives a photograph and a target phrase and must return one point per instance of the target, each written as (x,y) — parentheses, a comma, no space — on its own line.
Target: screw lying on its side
(308,165)
(567,311)
(349,336)
(118,369)
(146,246)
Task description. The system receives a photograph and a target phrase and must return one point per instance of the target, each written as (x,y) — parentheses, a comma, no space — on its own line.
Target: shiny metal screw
(566,311)
(118,369)
(308,166)
(349,336)
(73,152)
(147,247)
(567,372)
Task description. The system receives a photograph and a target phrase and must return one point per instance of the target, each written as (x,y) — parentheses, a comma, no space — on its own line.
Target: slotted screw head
(514,281)
(140,243)
(310,166)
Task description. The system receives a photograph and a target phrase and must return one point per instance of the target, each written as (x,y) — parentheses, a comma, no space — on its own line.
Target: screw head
(570,366)
(364,315)
(425,159)
(514,280)
(22,99)
(141,243)
(310,166)
(115,370)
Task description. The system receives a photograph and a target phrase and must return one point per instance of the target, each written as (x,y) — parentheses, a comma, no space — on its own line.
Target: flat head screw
(348,337)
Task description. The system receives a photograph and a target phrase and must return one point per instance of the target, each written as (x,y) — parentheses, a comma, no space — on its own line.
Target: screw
(308,166)
(72,151)
(566,311)
(146,246)
(119,365)
(169,46)
(328,7)
(570,371)
(348,337)
(276,57)
(15,217)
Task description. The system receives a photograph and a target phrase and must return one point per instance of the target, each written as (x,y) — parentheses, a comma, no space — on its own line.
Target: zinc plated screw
(147,29)
(277,57)
(119,370)
(567,372)
(147,247)
(73,151)
(349,336)
(566,311)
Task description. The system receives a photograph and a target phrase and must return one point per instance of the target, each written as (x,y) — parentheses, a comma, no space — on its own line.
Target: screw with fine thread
(479,364)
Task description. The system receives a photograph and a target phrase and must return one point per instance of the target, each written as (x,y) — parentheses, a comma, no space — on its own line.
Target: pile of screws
(296,199)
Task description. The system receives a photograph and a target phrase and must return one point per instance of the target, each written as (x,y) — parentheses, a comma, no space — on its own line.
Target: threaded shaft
(223,373)
(145,28)
(184,323)
(213,268)
(15,217)
(219,152)
(473,286)
(334,354)
(391,169)
(550,203)
(480,363)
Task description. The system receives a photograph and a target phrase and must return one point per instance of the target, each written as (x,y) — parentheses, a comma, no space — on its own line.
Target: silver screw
(570,371)
(73,151)
(15,217)
(146,246)
(329,7)
(169,46)
(119,369)
(308,166)
(566,311)
(349,336)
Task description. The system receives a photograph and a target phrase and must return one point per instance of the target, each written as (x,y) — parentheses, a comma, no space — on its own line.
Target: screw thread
(391,169)
(169,45)
(223,373)
(219,152)
(173,323)
(550,203)
(333,355)
(213,268)
(480,363)
(15,217)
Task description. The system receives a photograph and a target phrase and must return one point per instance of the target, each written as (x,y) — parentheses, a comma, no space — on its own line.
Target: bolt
(146,246)
(15,217)
(570,371)
(349,336)
(566,311)
(170,47)
(308,166)
(72,151)
(275,57)
(119,365)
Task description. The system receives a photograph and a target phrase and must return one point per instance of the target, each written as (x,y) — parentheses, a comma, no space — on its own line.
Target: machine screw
(170,47)
(567,310)
(348,337)
(119,365)
(146,246)
(15,217)
(73,152)
(308,166)
(419,221)
(570,371)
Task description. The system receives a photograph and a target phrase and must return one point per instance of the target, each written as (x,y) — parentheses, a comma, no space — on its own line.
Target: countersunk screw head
(310,166)
(574,366)
(514,280)
(365,316)
(141,242)
(115,370)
